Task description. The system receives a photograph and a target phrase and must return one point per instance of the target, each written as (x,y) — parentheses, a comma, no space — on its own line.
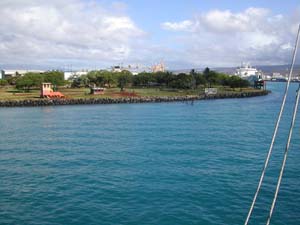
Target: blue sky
(149,14)
(184,34)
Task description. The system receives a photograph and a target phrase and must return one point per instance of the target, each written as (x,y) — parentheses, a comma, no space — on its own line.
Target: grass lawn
(10,93)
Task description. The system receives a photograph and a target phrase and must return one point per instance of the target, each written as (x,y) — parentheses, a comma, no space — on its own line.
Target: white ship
(246,71)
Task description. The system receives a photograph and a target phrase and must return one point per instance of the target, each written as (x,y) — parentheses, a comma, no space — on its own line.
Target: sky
(184,34)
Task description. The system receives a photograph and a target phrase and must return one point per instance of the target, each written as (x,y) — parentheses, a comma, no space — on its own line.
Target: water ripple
(168,163)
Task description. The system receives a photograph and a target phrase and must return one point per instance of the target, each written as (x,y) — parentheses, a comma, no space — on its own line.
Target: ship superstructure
(246,71)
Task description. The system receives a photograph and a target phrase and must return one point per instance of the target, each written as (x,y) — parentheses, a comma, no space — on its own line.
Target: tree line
(104,78)
(192,80)
(32,80)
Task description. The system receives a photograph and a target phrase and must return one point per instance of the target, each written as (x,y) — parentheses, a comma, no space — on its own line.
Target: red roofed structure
(47,91)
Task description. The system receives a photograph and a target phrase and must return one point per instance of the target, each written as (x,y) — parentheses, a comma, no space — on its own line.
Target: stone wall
(85,101)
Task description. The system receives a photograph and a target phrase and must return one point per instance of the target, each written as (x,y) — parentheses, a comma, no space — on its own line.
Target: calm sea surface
(163,163)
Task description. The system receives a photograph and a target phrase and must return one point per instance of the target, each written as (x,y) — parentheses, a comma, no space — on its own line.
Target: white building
(1,74)
(134,69)
(13,73)
(278,76)
(160,67)
(117,69)
(69,74)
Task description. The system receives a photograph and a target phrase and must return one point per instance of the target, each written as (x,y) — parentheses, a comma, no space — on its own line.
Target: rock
(53,102)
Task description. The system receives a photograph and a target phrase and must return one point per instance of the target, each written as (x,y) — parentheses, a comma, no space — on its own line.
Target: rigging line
(275,130)
(285,155)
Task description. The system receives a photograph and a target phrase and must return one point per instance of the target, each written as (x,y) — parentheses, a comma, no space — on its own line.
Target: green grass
(10,93)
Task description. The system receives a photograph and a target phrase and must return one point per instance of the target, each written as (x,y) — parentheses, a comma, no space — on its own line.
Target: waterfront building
(266,77)
(134,69)
(160,67)
(117,69)
(1,74)
(278,77)
(12,73)
(71,74)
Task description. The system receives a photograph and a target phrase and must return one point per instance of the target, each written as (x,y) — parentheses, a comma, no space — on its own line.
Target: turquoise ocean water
(163,163)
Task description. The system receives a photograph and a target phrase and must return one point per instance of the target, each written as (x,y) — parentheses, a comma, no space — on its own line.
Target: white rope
(275,130)
(285,155)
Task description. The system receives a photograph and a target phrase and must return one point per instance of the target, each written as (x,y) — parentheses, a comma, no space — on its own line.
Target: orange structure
(47,91)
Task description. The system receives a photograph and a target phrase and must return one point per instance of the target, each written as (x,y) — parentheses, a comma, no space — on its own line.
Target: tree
(81,81)
(29,80)
(102,78)
(92,76)
(124,78)
(193,74)
(200,79)
(169,76)
(237,82)
(55,77)
(206,71)
(210,76)
(3,82)
(142,79)
(223,79)
(164,78)
(13,79)
(160,78)
(107,78)
(182,81)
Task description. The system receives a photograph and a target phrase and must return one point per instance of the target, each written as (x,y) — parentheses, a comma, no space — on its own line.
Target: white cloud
(35,31)
(88,34)
(224,38)
(185,25)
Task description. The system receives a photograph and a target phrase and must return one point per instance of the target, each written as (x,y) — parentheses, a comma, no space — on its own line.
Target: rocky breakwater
(236,95)
(86,101)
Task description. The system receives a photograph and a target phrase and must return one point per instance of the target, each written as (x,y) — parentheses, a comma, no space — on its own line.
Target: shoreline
(125,100)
